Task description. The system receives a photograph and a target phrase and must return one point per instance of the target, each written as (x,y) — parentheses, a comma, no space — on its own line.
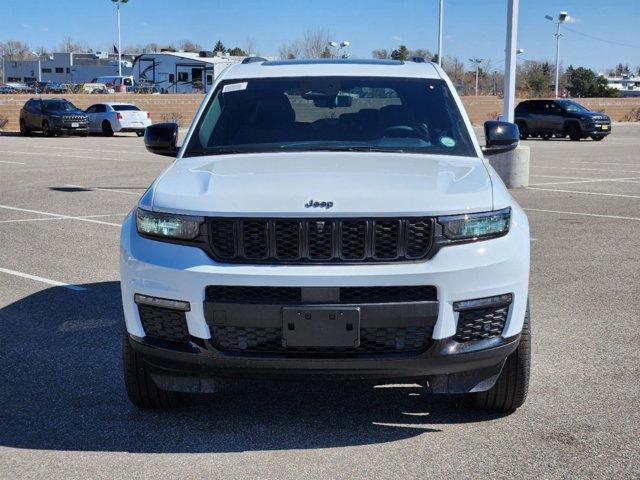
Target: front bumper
(447,367)
(459,272)
(599,128)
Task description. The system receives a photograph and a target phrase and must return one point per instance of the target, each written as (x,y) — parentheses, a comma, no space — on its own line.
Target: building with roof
(65,67)
(180,72)
(627,84)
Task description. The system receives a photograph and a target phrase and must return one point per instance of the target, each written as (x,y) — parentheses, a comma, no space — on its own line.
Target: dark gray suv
(52,116)
(560,118)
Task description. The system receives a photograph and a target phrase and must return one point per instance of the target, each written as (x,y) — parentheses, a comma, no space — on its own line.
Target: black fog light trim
(162,302)
(485,302)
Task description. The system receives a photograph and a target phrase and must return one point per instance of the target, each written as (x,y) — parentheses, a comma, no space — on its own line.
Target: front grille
(350,295)
(381,340)
(164,323)
(74,119)
(269,295)
(282,240)
(481,323)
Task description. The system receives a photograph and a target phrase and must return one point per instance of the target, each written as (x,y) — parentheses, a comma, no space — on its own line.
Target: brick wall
(183,107)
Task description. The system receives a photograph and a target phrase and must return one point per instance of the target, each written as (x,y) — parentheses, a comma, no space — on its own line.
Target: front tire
(140,133)
(141,389)
(510,390)
(574,133)
(46,129)
(107,131)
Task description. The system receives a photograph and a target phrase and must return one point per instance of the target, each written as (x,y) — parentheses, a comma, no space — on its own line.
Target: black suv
(560,118)
(52,116)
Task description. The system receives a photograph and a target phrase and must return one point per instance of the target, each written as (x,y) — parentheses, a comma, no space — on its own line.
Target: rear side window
(122,108)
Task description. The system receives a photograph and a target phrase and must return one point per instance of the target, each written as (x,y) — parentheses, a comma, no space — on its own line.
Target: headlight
(473,226)
(168,225)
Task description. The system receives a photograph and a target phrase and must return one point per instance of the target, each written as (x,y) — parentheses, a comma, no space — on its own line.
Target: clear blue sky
(472,27)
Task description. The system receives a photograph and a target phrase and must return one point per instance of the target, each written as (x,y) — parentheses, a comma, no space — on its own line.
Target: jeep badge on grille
(314,204)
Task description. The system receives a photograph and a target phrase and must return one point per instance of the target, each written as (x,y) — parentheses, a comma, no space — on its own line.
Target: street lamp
(562,17)
(339,47)
(477,62)
(118,3)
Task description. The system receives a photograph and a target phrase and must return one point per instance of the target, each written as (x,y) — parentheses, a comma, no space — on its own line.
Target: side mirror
(161,139)
(500,137)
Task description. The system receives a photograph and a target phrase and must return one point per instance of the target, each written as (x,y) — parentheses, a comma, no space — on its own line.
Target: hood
(592,115)
(66,113)
(355,183)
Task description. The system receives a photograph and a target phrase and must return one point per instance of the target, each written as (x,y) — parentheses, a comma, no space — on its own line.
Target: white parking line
(70,217)
(143,150)
(70,286)
(620,195)
(16,163)
(107,189)
(593,180)
(21,220)
(561,176)
(617,217)
(582,169)
(84,157)
(607,163)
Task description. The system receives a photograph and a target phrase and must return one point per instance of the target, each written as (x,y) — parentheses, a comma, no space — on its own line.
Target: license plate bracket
(322,326)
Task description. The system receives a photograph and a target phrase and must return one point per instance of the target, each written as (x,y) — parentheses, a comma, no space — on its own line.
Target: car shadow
(62,389)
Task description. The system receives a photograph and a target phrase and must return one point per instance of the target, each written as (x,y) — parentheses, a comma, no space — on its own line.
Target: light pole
(562,17)
(339,47)
(477,62)
(440,19)
(118,3)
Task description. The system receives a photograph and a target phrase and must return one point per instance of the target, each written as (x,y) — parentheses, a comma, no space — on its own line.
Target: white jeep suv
(332,219)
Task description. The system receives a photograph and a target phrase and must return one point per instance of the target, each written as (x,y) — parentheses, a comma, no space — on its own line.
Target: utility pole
(510,61)
(440,20)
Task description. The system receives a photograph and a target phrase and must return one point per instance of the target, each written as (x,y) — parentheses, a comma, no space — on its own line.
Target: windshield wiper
(362,149)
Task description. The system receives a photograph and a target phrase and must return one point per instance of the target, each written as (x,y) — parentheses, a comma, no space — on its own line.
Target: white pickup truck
(328,219)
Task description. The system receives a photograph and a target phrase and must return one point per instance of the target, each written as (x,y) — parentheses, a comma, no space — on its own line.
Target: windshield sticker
(448,142)
(234,87)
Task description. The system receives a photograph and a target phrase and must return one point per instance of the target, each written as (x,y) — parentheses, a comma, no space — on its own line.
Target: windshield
(122,108)
(331,113)
(59,106)
(573,107)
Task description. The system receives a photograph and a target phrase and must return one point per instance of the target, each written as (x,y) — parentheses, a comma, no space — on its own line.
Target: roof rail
(254,60)
(418,59)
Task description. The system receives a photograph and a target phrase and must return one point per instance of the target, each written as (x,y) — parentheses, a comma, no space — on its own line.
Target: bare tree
(381,53)
(454,68)
(40,51)
(156,47)
(189,46)
(314,43)
(133,49)
(69,45)
(249,46)
(421,52)
(290,50)
(14,50)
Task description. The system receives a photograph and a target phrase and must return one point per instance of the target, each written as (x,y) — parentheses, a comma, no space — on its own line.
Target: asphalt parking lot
(63,408)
